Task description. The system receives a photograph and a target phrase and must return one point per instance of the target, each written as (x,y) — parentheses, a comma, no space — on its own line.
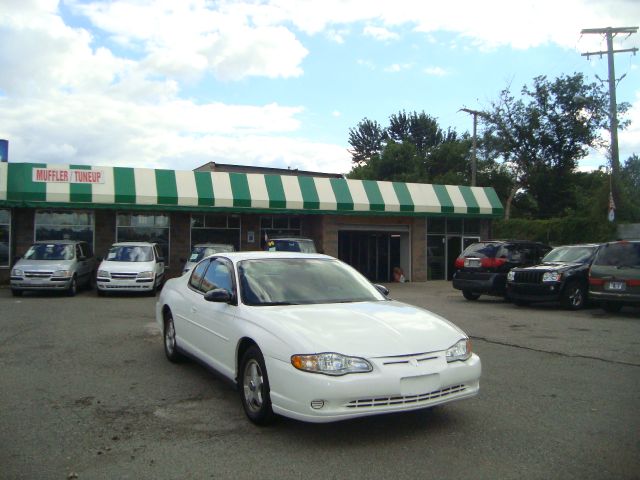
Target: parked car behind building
(562,276)
(482,268)
(291,244)
(54,265)
(614,278)
(202,250)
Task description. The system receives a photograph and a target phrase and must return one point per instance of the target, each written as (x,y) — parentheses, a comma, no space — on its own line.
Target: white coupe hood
(367,329)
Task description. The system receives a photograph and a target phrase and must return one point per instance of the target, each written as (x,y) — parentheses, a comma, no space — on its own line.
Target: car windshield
(482,250)
(198,253)
(292,245)
(570,254)
(620,254)
(130,253)
(50,251)
(292,281)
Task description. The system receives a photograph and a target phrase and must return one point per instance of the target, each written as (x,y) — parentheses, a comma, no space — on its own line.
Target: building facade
(372,225)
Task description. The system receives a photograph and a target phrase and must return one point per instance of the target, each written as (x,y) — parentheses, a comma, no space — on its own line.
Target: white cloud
(435,71)
(380,33)
(398,67)
(336,113)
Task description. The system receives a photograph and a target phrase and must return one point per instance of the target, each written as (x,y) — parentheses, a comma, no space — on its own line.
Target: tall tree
(542,134)
(367,141)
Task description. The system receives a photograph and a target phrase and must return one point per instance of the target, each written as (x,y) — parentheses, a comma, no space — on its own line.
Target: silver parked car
(54,265)
(203,250)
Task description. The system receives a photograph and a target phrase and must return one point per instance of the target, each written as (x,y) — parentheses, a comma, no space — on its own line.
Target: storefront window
(215,228)
(278,225)
(134,227)
(472,226)
(5,237)
(436,224)
(64,225)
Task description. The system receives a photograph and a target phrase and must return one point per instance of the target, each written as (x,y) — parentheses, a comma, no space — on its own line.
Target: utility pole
(613,112)
(474,167)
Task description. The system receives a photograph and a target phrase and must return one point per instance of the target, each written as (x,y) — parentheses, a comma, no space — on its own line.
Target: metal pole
(473,152)
(613,113)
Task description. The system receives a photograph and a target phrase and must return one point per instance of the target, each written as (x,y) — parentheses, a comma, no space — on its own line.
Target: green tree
(542,134)
(367,140)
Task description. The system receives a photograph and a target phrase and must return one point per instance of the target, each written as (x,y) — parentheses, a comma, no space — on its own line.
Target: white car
(307,337)
(131,267)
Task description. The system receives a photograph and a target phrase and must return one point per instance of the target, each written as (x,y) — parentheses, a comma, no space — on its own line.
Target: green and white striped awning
(82,186)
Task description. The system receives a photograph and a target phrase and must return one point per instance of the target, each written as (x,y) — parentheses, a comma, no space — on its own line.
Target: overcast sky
(175,84)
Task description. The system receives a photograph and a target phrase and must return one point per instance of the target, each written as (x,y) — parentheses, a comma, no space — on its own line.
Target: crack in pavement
(561,354)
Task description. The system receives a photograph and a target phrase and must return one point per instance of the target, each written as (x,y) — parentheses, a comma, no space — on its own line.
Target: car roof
(580,245)
(289,237)
(213,245)
(133,244)
(64,242)
(261,255)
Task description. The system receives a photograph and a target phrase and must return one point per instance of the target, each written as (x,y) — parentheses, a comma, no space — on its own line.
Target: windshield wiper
(269,304)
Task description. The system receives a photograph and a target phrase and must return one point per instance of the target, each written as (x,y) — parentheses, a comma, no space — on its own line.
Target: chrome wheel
(170,343)
(252,385)
(574,296)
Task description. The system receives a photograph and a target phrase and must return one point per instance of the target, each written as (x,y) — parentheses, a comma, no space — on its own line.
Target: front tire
(169,334)
(469,295)
(254,387)
(73,287)
(574,296)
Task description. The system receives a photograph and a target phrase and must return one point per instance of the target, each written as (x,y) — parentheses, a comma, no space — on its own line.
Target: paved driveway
(85,392)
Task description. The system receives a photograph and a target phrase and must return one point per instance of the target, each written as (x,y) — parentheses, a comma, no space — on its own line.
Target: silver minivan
(62,265)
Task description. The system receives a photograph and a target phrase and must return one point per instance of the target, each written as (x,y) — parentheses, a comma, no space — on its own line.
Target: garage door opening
(375,254)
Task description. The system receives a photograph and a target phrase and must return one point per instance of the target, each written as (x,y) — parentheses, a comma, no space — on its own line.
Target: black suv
(562,276)
(482,268)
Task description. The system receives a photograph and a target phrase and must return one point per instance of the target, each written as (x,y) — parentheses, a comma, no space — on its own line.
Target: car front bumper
(387,389)
(52,283)
(548,292)
(124,285)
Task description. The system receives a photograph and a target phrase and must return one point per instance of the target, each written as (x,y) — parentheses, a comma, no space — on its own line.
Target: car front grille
(38,274)
(124,276)
(528,277)
(404,400)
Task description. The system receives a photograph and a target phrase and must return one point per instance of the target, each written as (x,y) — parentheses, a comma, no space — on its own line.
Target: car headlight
(145,275)
(511,276)
(460,351)
(16,272)
(62,273)
(551,277)
(104,274)
(330,364)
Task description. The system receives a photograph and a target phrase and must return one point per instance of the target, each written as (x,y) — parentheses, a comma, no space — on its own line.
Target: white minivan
(131,267)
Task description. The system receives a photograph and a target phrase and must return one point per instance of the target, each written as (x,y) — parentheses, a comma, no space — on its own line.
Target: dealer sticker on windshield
(615,285)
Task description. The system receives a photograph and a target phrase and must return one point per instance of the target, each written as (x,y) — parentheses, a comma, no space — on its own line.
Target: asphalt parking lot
(87,393)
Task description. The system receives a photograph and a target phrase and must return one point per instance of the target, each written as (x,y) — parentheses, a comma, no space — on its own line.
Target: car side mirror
(160,259)
(183,260)
(99,259)
(218,295)
(382,289)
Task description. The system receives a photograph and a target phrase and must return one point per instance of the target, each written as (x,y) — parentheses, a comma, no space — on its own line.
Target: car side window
(86,250)
(217,275)
(197,274)
(79,253)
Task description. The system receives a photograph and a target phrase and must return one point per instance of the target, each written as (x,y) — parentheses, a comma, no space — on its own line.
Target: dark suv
(614,278)
(482,268)
(562,276)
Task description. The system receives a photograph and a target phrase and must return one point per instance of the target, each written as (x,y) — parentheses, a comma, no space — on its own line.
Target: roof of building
(231,168)
(55,185)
